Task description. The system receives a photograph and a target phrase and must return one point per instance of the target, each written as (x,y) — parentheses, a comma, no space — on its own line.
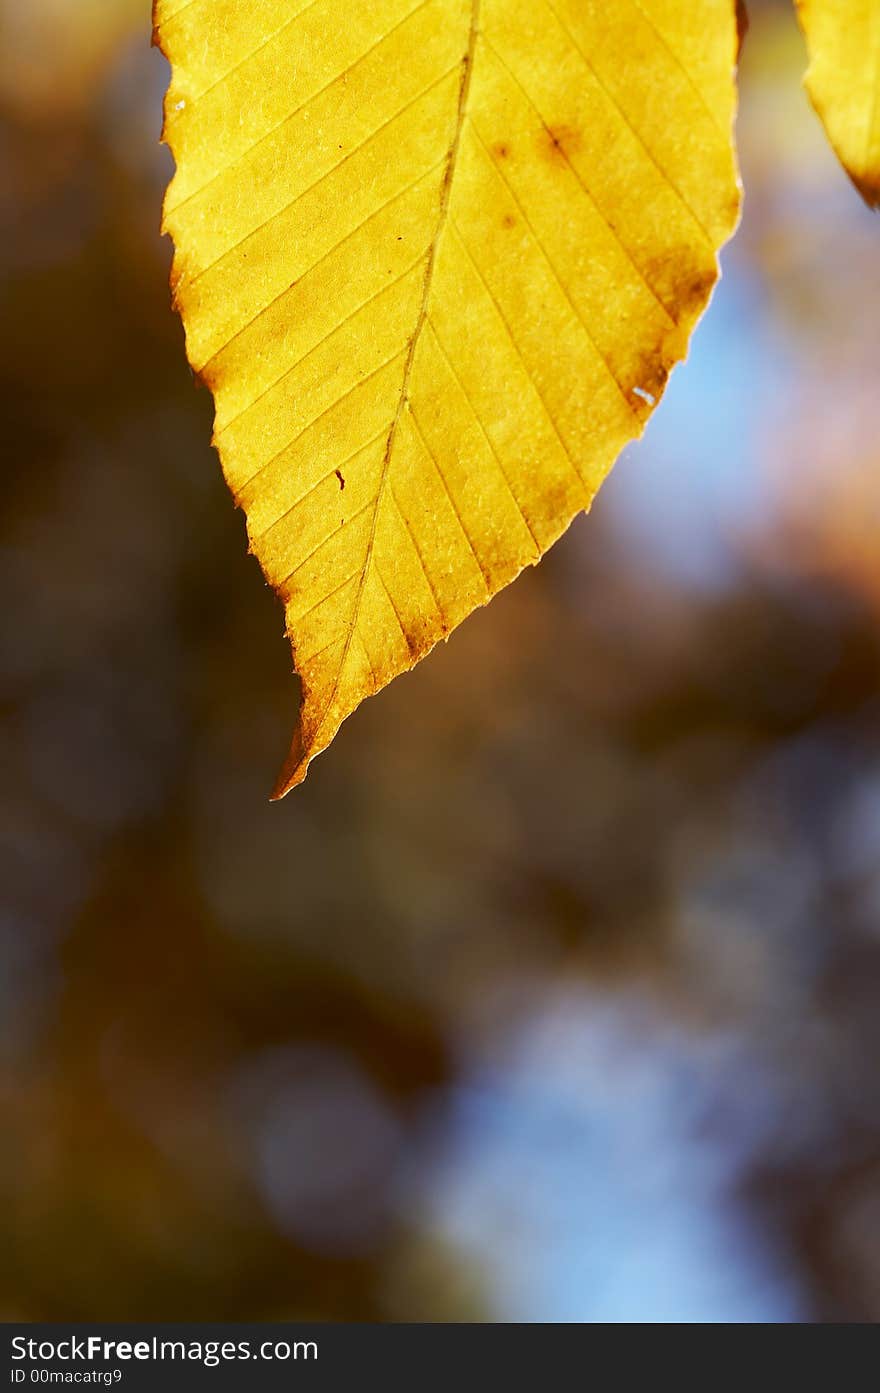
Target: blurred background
(553,994)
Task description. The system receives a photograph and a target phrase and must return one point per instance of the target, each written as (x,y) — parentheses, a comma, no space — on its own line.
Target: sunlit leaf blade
(843,80)
(435,260)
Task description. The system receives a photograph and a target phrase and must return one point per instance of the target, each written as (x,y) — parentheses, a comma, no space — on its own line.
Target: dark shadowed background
(553,993)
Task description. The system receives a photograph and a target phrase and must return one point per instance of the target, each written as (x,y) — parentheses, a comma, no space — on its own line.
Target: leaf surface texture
(435,260)
(843,80)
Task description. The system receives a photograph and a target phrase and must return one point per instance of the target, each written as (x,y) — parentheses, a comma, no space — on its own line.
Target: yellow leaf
(843,80)
(435,260)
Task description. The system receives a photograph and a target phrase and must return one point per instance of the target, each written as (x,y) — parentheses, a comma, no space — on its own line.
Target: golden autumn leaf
(843,80)
(435,260)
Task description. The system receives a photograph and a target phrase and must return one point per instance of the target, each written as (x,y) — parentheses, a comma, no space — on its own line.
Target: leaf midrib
(430,264)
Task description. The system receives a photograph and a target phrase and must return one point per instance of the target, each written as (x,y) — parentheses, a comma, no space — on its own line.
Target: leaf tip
(294,769)
(869,187)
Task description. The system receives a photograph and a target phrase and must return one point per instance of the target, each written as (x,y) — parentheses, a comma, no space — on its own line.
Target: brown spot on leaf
(501,150)
(559,142)
(340,478)
(681,282)
(212,374)
(684,286)
(508,220)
